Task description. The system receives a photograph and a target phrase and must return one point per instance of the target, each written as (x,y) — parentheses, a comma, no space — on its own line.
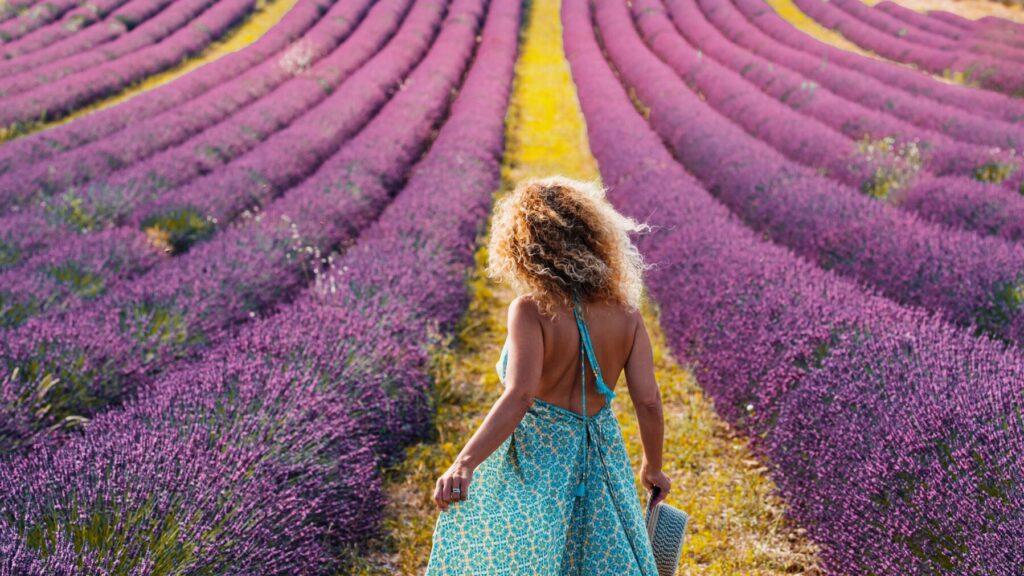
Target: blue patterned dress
(550,500)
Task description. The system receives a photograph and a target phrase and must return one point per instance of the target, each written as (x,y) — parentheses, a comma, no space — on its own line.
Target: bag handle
(652,496)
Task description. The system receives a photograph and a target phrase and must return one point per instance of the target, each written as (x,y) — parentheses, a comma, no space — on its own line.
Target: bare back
(613,332)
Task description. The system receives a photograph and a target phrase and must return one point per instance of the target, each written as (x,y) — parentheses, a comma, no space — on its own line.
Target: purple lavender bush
(70,23)
(57,99)
(909,31)
(83,213)
(891,434)
(889,154)
(79,272)
(1004,29)
(782,121)
(119,23)
(967,204)
(76,168)
(987,27)
(765,19)
(914,262)
(987,72)
(260,458)
(35,18)
(922,21)
(160,26)
(735,39)
(101,352)
(41,145)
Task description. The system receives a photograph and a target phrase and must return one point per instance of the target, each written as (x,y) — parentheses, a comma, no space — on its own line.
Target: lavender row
(886,161)
(77,273)
(70,24)
(888,25)
(329,104)
(190,214)
(911,261)
(296,396)
(177,15)
(951,19)
(983,25)
(979,102)
(908,31)
(58,99)
(135,143)
(784,122)
(987,72)
(39,146)
(108,179)
(990,29)
(180,308)
(108,203)
(368,90)
(876,420)
(922,21)
(945,29)
(964,203)
(745,41)
(120,23)
(76,167)
(231,491)
(853,86)
(35,18)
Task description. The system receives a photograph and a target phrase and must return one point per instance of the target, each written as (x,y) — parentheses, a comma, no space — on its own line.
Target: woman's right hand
(652,478)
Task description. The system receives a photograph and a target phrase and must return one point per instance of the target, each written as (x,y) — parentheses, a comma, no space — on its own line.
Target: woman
(530,493)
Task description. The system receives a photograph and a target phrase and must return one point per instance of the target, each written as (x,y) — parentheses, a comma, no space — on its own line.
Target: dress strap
(588,347)
(581,488)
(586,351)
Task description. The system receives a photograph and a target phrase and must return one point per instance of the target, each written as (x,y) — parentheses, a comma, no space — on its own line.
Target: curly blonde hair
(551,235)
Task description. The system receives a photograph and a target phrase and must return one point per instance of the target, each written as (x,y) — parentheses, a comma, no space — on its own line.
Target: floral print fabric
(522,515)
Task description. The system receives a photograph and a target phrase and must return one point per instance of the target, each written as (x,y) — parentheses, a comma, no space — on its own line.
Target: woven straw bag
(666,527)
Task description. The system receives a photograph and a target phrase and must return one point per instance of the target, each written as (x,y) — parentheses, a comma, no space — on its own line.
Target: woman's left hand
(453,485)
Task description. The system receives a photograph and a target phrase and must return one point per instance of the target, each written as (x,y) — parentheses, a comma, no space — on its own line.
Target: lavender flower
(891,433)
(260,458)
(101,352)
(980,102)
(57,98)
(835,226)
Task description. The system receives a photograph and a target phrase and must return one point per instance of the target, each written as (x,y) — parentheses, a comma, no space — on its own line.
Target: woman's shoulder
(524,303)
(524,307)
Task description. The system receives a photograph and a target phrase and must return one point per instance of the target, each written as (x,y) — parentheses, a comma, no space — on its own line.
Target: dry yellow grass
(737,524)
(264,16)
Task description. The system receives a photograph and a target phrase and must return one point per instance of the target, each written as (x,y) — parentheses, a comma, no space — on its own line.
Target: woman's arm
(522,377)
(643,390)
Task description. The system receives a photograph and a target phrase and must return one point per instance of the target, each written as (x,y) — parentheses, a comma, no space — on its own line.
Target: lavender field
(223,298)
